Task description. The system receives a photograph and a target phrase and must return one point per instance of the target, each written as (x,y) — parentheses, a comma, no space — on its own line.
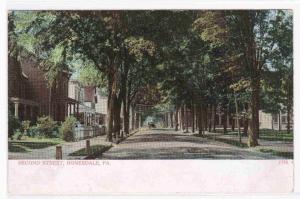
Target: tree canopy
(195,60)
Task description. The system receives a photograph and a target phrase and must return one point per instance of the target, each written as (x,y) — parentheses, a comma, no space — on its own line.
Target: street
(170,144)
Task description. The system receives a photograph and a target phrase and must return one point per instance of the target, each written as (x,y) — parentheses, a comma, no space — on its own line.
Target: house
(101,106)
(87,98)
(30,94)
(21,103)
(266,120)
(274,121)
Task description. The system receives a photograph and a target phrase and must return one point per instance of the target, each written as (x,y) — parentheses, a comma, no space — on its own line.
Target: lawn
(227,141)
(96,150)
(283,154)
(28,143)
(276,135)
(271,135)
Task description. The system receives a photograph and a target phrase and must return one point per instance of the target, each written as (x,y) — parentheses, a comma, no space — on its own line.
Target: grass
(28,143)
(276,135)
(285,154)
(270,135)
(228,141)
(12,147)
(96,150)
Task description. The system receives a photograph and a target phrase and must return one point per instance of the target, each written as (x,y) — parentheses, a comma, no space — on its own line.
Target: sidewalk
(67,148)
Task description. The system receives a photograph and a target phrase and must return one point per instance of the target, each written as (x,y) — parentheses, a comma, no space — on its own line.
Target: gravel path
(169,144)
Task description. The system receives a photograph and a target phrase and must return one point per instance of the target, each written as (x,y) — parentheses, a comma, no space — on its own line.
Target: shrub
(33,131)
(25,126)
(17,135)
(46,126)
(13,124)
(67,129)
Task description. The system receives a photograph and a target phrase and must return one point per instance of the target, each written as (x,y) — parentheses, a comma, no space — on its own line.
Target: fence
(85,132)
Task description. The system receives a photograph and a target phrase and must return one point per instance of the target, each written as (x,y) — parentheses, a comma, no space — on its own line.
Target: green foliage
(17,135)
(90,76)
(67,129)
(139,46)
(283,154)
(273,135)
(47,127)
(33,131)
(16,148)
(26,126)
(192,57)
(13,124)
(29,143)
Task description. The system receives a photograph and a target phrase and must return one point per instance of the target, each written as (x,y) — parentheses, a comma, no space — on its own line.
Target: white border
(139,4)
(146,5)
(3,101)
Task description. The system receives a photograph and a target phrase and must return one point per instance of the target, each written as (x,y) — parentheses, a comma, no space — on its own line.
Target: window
(284,119)
(275,118)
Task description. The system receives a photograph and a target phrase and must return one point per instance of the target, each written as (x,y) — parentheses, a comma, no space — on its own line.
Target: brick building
(21,103)
(31,96)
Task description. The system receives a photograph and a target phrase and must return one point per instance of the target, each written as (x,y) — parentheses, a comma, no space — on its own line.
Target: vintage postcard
(150,101)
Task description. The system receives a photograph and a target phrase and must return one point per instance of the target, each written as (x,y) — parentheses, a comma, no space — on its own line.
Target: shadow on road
(169,144)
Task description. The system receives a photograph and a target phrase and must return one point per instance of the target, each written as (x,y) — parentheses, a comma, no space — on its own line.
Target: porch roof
(23,101)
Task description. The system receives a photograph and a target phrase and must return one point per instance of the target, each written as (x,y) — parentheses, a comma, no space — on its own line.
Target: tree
(57,39)
(197,60)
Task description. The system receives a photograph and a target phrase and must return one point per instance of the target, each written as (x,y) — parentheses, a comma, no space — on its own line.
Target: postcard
(193,101)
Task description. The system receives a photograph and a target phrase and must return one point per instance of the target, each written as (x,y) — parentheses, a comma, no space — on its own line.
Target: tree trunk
(272,122)
(126,118)
(237,118)
(246,125)
(171,117)
(193,117)
(132,118)
(210,117)
(176,119)
(205,117)
(112,90)
(186,119)
(288,128)
(279,121)
(137,117)
(182,118)
(225,120)
(254,121)
(126,87)
(117,118)
(196,117)
(213,116)
(232,123)
(140,121)
(200,120)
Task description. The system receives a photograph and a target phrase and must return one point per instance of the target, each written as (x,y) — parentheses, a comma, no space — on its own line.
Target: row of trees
(198,60)
(238,61)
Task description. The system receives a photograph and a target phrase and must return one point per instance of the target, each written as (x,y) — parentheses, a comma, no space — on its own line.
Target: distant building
(75,90)
(101,106)
(274,121)
(266,120)
(87,98)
